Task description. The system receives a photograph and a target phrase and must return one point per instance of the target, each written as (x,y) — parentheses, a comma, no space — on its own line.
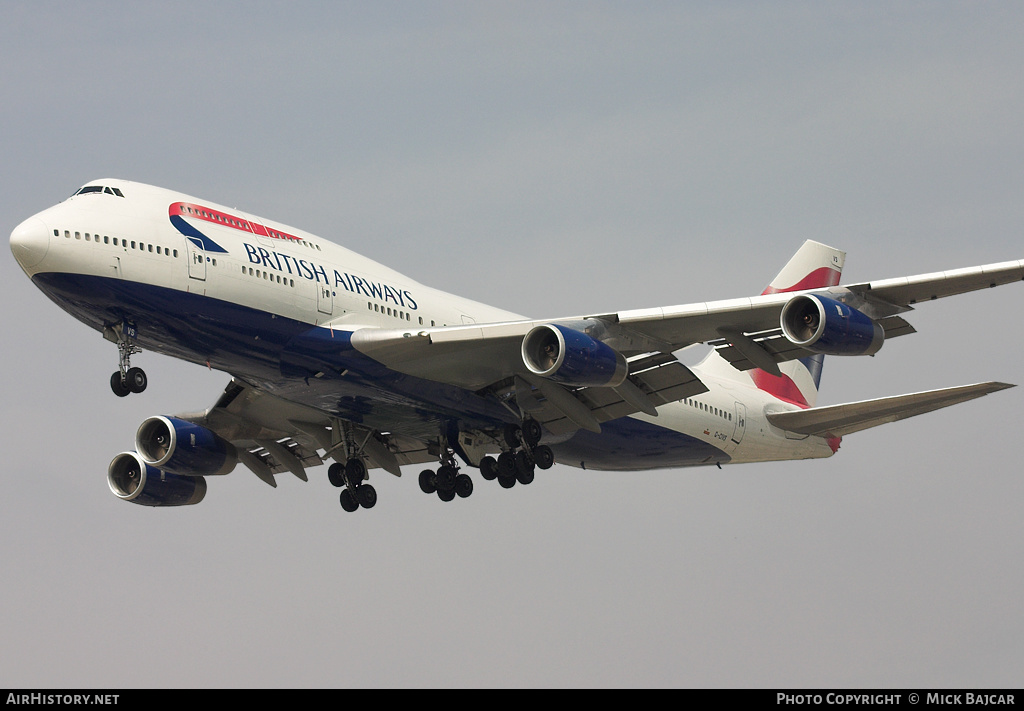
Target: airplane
(336,358)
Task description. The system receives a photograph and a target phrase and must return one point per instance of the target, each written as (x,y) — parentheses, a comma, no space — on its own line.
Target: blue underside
(316,368)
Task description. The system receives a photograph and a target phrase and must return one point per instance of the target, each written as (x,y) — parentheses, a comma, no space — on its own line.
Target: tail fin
(814,266)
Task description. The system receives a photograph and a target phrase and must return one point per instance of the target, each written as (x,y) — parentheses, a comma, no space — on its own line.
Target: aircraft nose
(29,242)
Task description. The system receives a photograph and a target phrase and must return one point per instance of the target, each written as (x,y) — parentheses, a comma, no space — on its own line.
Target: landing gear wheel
(446,478)
(506,465)
(336,474)
(355,472)
(506,481)
(524,468)
(543,457)
(489,468)
(532,432)
(513,435)
(366,495)
(118,385)
(427,482)
(136,380)
(446,494)
(463,485)
(348,501)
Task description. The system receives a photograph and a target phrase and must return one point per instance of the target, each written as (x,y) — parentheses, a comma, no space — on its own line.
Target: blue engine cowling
(572,357)
(131,479)
(823,325)
(182,447)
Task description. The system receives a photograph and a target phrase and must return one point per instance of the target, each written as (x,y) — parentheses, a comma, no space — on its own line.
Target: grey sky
(551,159)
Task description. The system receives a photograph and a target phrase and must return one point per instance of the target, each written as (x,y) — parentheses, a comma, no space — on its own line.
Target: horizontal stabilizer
(840,420)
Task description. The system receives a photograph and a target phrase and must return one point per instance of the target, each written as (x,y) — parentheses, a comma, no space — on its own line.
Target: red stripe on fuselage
(199,212)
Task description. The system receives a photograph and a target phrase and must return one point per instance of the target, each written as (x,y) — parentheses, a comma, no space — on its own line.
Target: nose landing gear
(127,379)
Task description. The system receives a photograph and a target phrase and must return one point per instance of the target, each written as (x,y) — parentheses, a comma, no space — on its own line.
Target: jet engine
(182,447)
(572,357)
(823,325)
(131,479)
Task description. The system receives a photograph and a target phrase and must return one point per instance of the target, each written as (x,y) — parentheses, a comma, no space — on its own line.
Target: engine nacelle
(131,479)
(823,325)
(181,447)
(572,357)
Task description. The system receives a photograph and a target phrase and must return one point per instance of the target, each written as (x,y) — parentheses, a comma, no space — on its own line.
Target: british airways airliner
(335,357)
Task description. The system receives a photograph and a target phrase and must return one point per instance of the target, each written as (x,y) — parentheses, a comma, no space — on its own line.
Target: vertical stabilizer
(814,266)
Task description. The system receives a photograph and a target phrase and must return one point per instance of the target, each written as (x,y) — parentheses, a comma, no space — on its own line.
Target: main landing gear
(522,454)
(447,482)
(518,463)
(127,379)
(355,493)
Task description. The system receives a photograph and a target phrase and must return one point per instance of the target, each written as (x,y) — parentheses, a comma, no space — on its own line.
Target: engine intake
(823,325)
(131,479)
(572,357)
(182,447)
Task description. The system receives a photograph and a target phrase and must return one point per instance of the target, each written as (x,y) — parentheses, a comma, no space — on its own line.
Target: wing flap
(840,420)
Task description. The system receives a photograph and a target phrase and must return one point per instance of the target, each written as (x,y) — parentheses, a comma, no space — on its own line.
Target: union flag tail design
(814,266)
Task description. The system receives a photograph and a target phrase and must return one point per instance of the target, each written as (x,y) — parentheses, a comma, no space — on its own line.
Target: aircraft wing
(478,355)
(840,420)
(273,435)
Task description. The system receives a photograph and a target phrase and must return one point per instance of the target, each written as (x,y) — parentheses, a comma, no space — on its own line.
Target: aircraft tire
(427,482)
(506,464)
(336,474)
(355,471)
(532,432)
(489,468)
(366,495)
(136,380)
(348,501)
(446,478)
(118,385)
(446,494)
(543,456)
(463,485)
(513,435)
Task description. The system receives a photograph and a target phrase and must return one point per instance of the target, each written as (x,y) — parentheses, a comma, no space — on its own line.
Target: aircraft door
(196,260)
(741,423)
(324,298)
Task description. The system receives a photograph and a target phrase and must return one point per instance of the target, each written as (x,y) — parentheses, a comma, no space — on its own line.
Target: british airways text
(285,263)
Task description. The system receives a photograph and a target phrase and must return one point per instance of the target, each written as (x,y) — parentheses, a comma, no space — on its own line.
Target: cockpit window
(100,189)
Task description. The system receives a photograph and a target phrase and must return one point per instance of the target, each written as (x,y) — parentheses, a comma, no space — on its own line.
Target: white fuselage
(134,239)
